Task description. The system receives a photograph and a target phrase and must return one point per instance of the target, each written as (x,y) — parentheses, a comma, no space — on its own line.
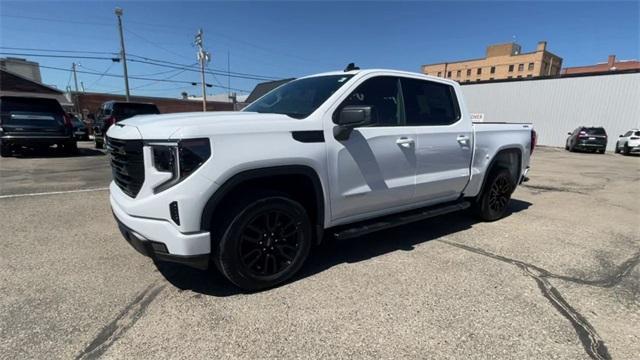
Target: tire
(492,204)
(617,149)
(248,253)
(625,149)
(71,147)
(99,143)
(5,150)
(602,151)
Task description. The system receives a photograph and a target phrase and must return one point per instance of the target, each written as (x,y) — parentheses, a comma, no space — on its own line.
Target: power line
(148,61)
(193,83)
(59,51)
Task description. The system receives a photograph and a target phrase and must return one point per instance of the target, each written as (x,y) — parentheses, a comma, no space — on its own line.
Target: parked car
(112,112)
(80,130)
(587,139)
(34,123)
(629,143)
(341,153)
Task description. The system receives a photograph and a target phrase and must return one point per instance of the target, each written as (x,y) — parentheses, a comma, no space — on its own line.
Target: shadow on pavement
(332,252)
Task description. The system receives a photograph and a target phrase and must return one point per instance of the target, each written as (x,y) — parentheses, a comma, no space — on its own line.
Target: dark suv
(112,112)
(34,123)
(587,138)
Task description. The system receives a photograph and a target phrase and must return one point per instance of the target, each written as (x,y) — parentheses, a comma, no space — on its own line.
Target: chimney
(611,61)
(542,46)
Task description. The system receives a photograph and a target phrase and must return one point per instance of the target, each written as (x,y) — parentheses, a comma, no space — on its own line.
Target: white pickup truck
(336,154)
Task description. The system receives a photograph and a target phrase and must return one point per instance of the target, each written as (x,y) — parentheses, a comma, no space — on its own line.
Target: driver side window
(384,97)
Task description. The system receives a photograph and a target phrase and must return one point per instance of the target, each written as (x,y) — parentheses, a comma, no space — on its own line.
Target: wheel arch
(293,179)
(504,158)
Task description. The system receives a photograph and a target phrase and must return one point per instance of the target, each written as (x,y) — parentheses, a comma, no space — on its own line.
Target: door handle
(463,140)
(405,142)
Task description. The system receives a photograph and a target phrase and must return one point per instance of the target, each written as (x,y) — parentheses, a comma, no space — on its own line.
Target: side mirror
(351,117)
(620,135)
(569,133)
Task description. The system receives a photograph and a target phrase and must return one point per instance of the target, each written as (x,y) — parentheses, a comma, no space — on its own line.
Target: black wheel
(616,149)
(265,243)
(625,149)
(99,144)
(5,150)
(602,151)
(492,204)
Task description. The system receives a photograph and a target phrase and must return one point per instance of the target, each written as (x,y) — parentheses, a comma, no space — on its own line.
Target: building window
(493,69)
(439,73)
(477,80)
(510,68)
(479,71)
(458,73)
(449,74)
(544,67)
(509,77)
(491,78)
(529,75)
(521,67)
(519,76)
(530,66)
(468,72)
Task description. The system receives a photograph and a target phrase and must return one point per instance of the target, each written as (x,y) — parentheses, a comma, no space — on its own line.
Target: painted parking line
(52,193)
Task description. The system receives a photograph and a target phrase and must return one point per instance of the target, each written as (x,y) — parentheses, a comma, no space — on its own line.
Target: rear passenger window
(383,95)
(429,103)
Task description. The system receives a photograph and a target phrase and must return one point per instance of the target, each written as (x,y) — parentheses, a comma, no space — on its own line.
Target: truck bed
(490,138)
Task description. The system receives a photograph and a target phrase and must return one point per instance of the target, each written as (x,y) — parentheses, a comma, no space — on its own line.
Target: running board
(397,220)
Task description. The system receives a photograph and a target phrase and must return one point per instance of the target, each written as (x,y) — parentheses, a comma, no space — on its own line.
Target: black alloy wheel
(270,242)
(499,194)
(265,240)
(493,202)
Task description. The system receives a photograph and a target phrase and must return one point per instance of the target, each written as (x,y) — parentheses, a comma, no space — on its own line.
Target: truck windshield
(299,98)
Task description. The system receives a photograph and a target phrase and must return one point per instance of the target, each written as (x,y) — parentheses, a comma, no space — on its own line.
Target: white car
(338,154)
(629,143)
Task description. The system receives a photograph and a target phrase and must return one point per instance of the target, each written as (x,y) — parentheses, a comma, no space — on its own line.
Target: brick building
(610,65)
(502,61)
(90,103)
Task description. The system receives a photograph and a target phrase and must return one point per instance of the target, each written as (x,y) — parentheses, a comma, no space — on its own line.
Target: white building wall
(557,106)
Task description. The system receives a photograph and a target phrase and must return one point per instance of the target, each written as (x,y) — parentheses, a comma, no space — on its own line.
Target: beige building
(22,67)
(502,61)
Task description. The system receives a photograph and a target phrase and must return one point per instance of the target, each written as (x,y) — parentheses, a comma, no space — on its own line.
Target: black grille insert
(127,164)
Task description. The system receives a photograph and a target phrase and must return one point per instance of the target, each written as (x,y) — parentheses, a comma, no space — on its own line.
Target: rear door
(32,117)
(443,139)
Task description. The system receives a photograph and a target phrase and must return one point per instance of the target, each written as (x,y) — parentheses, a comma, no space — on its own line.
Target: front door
(373,171)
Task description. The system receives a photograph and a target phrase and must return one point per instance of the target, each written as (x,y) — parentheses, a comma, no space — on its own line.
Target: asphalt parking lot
(557,278)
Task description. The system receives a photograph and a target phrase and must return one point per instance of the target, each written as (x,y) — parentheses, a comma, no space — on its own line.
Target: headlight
(180,159)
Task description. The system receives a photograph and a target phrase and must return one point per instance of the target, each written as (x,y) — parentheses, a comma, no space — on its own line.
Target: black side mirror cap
(349,118)
(569,133)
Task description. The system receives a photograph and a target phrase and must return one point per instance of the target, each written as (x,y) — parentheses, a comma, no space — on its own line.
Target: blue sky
(290,39)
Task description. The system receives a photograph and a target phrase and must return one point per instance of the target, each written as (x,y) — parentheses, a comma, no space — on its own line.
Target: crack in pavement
(591,341)
(115,329)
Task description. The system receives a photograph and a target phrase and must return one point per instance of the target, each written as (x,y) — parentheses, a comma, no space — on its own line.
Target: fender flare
(252,174)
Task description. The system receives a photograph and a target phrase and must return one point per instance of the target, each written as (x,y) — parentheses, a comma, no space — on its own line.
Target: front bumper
(161,241)
(34,140)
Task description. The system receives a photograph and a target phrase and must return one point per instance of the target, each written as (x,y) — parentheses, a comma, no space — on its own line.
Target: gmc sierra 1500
(339,153)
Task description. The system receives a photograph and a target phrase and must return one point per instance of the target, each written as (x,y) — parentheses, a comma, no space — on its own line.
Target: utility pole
(203,57)
(75,80)
(229,74)
(123,55)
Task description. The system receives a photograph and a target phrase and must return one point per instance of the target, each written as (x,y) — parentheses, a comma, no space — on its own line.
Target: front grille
(127,164)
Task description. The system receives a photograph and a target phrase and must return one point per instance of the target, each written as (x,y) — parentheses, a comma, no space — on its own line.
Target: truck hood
(186,125)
